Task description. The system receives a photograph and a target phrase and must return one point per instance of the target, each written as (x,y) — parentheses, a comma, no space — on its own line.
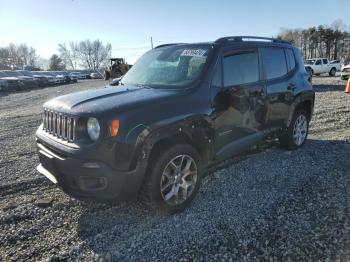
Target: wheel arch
(192,133)
(305,102)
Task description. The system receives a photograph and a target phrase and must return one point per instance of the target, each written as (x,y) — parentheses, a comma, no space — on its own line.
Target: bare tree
(93,54)
(69,54)
(19,56)
(332,41)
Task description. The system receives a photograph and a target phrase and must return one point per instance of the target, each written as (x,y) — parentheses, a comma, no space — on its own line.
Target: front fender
(198,130)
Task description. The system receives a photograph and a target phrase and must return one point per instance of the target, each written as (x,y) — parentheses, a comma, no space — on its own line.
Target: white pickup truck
(322,65)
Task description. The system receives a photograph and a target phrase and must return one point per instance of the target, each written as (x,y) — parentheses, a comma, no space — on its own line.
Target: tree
(93,53)
(56,63)
(69,54)
(332,42)
(17,56)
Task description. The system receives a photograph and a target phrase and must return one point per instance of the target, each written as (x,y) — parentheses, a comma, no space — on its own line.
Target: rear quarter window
(290,59)
(274,61)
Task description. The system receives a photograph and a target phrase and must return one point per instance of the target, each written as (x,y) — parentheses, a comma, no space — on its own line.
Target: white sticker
(193,52)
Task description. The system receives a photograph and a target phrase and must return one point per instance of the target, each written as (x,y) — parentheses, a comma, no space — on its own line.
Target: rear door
(280,84)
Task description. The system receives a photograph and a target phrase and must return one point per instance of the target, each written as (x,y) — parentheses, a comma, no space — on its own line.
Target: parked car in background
(50,79)
(321,66)
(12,83)
(345,73)
(65,76)
(336,64)
(74,77)
(42,80)
(28,81)
(58,77)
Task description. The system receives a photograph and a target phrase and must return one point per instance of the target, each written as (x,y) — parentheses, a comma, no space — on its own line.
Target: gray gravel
(268,205)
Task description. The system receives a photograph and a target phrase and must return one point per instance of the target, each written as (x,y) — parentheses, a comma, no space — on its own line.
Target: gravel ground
(269,205)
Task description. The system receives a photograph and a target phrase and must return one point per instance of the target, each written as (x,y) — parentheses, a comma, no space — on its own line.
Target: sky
(129,24)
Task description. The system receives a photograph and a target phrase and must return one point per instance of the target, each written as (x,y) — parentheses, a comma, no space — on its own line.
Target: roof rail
(249,38)
(167,45)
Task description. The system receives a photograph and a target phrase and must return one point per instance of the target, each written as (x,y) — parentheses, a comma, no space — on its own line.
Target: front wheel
(173,179)
(297,131)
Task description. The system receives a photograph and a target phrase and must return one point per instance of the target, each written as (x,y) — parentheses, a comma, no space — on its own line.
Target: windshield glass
(170,67)
(310,61)
(2,74)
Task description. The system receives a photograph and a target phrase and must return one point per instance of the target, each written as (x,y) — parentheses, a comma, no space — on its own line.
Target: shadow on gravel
(275,204)
(328,88)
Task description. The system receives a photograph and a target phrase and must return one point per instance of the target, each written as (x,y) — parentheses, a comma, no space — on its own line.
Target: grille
(59,125)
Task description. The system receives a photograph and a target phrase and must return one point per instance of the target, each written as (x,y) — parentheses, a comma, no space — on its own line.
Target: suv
(180,108)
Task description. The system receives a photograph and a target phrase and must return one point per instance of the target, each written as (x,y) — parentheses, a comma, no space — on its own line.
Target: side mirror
(115,82)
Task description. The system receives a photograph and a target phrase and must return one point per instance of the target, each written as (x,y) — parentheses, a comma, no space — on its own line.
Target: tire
(297,131)
(332,72)
(162,173)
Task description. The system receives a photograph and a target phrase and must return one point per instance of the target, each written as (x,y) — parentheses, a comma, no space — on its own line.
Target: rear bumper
(89,179)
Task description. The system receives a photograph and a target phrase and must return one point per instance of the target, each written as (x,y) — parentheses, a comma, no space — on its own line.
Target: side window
(275,63)
(325,61)
(291,58)
(318,62)
(241,68)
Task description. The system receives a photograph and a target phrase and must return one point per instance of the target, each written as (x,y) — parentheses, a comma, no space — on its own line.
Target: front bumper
(88,179)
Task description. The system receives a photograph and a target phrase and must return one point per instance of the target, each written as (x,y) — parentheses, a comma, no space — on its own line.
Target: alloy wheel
(178,179)
(300,130)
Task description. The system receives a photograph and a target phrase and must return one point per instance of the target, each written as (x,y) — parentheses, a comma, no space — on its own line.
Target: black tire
(150,193)
(287,141)
(332,72)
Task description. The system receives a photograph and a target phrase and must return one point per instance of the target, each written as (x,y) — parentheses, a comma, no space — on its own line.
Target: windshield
(2,74)
(170,67)
(310,61)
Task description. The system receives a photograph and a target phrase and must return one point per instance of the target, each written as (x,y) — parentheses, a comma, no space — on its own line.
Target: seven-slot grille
(59,125)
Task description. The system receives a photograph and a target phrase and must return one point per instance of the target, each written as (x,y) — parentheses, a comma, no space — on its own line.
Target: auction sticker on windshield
(193,52)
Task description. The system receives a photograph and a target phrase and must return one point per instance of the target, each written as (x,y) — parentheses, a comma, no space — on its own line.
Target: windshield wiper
(143,86)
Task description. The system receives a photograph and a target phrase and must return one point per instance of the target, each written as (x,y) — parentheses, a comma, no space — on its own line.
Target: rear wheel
(297,131)
(332,72)
(173,178)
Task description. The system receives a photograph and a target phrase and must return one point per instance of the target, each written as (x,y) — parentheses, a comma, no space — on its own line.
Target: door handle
(291,86)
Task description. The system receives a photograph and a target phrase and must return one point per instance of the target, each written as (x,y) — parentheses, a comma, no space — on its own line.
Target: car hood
(107,99)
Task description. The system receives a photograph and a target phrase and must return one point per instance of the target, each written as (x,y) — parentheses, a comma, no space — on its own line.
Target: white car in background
(74,77)
(319,66)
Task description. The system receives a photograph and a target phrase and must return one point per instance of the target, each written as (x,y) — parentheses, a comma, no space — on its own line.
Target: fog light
(91,165)
(92,183)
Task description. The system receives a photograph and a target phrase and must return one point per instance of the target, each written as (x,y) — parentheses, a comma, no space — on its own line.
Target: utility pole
(151,42)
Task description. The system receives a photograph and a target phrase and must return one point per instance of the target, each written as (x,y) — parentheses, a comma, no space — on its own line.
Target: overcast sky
(128,24)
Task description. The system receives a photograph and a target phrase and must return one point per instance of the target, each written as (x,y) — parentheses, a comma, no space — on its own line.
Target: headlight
(93,128)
